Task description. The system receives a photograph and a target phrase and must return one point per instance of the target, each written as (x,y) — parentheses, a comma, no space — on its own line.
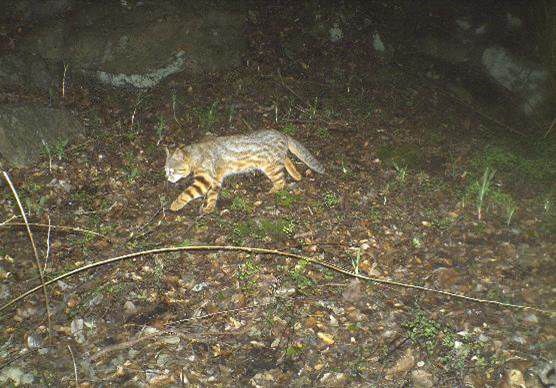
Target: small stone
(33,341)
(129,308)
(422,379)
(405,363)
(199,287)
(77,330)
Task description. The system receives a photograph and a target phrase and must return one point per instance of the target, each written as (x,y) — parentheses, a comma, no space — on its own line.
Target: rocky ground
(408,195)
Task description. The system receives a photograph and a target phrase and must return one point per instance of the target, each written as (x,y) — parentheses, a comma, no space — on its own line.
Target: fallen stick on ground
(334,267)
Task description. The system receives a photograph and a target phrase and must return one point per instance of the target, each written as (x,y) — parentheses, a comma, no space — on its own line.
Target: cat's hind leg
(290,168)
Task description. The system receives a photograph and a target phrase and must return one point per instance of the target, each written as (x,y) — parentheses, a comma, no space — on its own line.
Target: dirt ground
(406,166)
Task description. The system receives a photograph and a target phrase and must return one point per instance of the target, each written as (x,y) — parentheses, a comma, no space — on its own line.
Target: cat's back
(250,142)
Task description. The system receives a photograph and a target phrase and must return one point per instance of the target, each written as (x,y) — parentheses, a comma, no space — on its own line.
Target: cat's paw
(207,209)
(175,206)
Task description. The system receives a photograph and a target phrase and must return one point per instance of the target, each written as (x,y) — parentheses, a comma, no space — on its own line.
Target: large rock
(24,71)
(23,129)
(142,44)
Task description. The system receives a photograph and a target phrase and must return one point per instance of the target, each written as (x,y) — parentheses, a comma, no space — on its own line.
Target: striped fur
(213,159)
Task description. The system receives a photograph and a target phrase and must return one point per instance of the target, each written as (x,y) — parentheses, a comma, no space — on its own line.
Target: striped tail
(304,155)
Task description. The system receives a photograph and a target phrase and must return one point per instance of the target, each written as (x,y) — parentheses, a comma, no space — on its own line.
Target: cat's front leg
(212,197)
(198,188)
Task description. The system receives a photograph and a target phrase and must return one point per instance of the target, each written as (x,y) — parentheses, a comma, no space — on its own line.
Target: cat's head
(177,165)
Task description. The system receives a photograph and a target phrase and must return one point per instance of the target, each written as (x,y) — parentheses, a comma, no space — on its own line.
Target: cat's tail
(306,157)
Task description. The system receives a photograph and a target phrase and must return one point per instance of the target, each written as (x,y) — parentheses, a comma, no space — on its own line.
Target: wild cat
(211,160)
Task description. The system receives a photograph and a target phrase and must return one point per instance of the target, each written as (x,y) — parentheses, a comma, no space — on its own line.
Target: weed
(294,351)
(208,117)
(131,170)
(331,199)
(132,174)
(455,350)
(538,165)
(323,133)
(404,155)
(242,230)
(285,199)
(247,272)
(280,229)
(313,109)
(506,202)
(35,207)
(231,113)
(483,189)
(298,276)
(346,170)
(416,242)
(356,260)
(174,106)
(226,193)
(239,204)
(423,331)
(160,129)
(401,172)
(289,129)
(57,149)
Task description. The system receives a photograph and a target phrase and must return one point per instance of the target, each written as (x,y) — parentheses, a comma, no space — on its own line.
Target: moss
(404,155)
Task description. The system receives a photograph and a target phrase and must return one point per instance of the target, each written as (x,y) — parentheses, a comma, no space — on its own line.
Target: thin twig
(550,128)
(74,366)
(49,155)
(125,345)
(59,227)
(37,260)
(64,80)
(215,314)
(47,243)
(8,220)
(264,251)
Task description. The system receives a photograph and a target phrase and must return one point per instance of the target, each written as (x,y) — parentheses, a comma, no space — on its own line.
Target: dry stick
(37,260)
(47,243)
(8,220)
(74,366)
(60,227)
(265,251)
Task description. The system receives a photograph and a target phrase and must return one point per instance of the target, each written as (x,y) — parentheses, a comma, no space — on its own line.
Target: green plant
(483,189)
(313,109)
(285,199)
(416,242)
(231,113)
(323,133)
(423,331)
(239,204)
(298,276)
(401,171)
(242,230)
(174,106)
(209,117)
(278,229)
(331,199)
(355,261)
(160,128)
(289,129)
(506,202)
(247,271)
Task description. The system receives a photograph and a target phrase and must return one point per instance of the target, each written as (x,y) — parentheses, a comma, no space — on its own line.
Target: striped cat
(213,159)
